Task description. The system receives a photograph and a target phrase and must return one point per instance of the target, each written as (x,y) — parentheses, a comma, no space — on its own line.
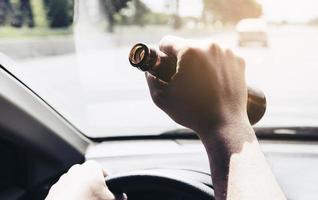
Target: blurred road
(102,95)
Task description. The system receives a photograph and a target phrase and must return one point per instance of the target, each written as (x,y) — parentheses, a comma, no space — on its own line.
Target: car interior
(38,143)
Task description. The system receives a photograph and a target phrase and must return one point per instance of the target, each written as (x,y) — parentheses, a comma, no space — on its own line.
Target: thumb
(155,83)
(157,88)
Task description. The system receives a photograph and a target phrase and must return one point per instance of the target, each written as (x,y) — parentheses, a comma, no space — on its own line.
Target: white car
(252,30)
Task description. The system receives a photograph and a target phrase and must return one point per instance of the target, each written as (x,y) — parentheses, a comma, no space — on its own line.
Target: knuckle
(241,62)
(192,60)
(214,47)
(53,188)
(190,53)
(229,53)
(62,178)
(75,167)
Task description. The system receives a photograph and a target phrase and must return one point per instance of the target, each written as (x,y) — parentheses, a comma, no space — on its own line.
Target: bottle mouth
(138,55)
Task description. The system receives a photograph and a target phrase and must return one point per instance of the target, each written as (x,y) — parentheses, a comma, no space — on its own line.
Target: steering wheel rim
(151,180)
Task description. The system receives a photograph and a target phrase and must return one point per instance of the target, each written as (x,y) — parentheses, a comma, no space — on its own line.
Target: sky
(274,10)
(186,7)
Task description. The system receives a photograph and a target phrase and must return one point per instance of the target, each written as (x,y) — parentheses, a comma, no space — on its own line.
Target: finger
(172,45)
(105,172)
(158,89)
(74,168)
(229,53)
(109,195)
(97,166)
(154,82)
(241,61)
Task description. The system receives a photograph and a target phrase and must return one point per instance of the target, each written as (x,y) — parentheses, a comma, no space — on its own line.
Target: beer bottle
(164,67)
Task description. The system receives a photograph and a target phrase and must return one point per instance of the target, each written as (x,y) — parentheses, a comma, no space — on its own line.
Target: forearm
(238,166)
(217,97)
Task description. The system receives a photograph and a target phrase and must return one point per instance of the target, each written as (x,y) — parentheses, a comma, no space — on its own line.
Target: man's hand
(208,94)
(208,89)
(82,182)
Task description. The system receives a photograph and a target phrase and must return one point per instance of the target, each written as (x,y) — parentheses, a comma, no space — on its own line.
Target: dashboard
(294,163)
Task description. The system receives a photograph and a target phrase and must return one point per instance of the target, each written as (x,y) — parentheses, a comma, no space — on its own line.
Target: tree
(232,10)
(177,22)
(140,11)
(112,7)
(40,18)
(6,11)
(59,12)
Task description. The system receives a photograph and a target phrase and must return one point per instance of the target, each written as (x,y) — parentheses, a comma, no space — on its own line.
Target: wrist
(223,121)
(232,128)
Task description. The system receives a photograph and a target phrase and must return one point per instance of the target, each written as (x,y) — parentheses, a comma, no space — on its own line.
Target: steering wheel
(147,180)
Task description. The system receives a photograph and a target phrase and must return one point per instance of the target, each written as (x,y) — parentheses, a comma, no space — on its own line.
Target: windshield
(74,54)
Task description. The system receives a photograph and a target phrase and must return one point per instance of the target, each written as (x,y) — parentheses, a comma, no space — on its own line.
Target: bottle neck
(150,60)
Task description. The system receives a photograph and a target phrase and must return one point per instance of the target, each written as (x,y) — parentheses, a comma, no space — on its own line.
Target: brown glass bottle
(164,67)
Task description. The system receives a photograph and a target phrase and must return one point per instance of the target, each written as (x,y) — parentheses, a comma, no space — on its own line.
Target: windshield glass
(74,54)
